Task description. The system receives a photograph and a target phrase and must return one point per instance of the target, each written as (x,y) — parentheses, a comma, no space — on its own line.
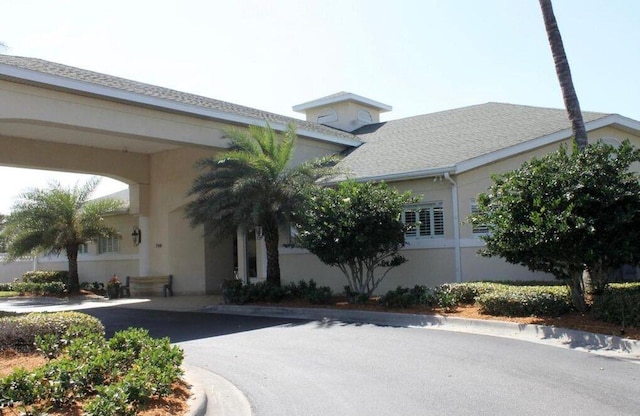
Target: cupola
(343,111)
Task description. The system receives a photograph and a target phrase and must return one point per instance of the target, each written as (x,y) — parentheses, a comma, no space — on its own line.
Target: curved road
(293,367)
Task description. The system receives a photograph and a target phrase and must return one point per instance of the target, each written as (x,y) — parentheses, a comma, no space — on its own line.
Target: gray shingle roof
(444,139)
(96,78)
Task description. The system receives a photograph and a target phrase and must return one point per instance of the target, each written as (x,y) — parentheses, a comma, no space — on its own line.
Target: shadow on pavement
(183,326)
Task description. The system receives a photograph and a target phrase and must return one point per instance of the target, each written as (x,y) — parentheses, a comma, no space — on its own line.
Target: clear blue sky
(418,56)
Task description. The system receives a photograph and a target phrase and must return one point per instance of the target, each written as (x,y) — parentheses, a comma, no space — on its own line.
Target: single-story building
(58,117)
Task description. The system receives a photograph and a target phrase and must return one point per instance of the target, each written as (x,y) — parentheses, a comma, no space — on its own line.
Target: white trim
(136,98)
(88,258)
(427,243)
(610,120)
(300,108)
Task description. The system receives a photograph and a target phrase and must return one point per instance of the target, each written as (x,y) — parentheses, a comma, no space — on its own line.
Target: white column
(242,254)
(143,249)
(261,258)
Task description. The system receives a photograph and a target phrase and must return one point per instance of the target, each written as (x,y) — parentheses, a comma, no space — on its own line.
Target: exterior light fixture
(136,236)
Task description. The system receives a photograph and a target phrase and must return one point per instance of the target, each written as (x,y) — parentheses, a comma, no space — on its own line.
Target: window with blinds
(108,245)
(478,229)
(424,221)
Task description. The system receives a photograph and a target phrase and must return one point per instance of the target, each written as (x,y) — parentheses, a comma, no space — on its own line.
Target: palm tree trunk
(564,75)
(572,105)
(73,284)
(272,240)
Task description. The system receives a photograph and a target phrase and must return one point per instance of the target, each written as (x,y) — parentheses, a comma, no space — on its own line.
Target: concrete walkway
(215,395)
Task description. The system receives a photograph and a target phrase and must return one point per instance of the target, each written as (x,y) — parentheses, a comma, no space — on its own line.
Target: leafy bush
(235,292)
(6,287)
(403,297)
(46,276)
(310,291)
(232,292)
(93,286)
(526,301)
(619,303)
(20,331)
(116,376)
(48,288)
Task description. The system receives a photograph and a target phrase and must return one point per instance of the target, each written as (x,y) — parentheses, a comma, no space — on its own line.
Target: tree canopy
(253,185)
(356,227)
(565,213)
(58,219)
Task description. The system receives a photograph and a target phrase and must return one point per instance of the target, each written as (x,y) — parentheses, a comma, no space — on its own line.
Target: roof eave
(87,88)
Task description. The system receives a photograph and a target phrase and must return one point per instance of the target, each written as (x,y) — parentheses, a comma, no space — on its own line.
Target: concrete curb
(214,395)
(608,345)
(198,399)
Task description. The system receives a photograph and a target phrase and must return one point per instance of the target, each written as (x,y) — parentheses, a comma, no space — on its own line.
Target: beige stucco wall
(432,261)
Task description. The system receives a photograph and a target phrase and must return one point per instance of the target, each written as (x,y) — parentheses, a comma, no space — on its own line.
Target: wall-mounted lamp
(136,236)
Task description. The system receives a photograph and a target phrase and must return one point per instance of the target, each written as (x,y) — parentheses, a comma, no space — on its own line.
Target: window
(83,248)
(478,228)
(108,245)
(424,221)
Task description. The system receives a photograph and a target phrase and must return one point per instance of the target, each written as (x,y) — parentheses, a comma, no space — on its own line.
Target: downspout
(456,227)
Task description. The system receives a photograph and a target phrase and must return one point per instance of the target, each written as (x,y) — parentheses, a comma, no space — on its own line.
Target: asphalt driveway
(302,367)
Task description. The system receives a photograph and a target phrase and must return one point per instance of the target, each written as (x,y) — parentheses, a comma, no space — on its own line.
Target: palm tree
(564,75)
(251,185)
(55,219)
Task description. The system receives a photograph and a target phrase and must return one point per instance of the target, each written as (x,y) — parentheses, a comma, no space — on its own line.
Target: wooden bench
(147,282)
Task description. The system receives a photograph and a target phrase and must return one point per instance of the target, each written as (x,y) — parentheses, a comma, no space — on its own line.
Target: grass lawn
(8,294)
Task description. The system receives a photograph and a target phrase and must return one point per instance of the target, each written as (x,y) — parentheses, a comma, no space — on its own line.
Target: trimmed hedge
(403,297)
(19,332)
(526,301)
(235,292)
(46,276)
(46,288)
(466,293)
(619,303)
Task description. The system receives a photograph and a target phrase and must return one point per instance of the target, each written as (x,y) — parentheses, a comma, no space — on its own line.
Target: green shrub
(20,331)
(93,286)
(466,293)
(619,303)
(526,301)
(6,287)
(403,297)
(46,276)
(310,291)
(49,288)
(122,374)
(235,292)
(232,292)
(20,387)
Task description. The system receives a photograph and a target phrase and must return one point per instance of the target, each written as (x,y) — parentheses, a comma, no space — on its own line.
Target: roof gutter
(403,176)
(32,76)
